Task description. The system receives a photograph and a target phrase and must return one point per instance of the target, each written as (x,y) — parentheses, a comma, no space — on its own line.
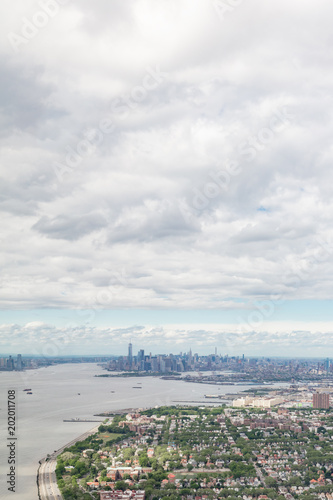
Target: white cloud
(186,93)
(41,339)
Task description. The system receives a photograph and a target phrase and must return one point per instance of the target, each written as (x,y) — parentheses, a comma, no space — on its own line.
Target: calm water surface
(55,397)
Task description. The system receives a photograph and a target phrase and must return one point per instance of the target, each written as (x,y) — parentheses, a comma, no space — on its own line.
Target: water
(41,429)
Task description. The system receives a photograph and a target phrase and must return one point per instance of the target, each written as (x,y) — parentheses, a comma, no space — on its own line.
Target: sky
(165,176)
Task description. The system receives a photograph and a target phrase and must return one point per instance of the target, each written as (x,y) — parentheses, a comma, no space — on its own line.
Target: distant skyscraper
(321,400)
(130,354)
(10,363)
(19,362)
(141,356)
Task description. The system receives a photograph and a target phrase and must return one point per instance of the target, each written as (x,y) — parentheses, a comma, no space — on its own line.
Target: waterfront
(71,391)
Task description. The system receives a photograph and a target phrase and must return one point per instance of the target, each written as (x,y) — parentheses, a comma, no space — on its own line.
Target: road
(260,474)
(48,488)
(47,481)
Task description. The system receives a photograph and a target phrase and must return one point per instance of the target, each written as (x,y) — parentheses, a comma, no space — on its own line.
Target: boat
(135,387)
(26,390)
(79,394)
(29,392)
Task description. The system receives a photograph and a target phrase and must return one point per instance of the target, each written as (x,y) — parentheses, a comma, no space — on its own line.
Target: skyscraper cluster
(162,363)
(11,364)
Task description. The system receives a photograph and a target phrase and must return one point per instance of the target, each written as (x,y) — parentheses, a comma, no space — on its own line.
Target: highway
(48,488)
(47,481)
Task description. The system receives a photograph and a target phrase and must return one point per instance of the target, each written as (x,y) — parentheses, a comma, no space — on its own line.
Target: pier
(81,420)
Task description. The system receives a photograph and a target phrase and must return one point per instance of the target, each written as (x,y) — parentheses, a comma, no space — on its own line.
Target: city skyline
(144,353)
(216,364)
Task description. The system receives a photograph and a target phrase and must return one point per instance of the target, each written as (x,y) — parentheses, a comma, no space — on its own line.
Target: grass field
(107,436)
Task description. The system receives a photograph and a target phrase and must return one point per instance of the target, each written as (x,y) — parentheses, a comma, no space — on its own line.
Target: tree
(120,485)
(270,481)
(144,461)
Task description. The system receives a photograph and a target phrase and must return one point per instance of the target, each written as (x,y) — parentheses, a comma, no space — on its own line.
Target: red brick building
(321,400)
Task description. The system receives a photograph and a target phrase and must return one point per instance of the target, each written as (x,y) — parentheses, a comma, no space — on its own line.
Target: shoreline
(52,458)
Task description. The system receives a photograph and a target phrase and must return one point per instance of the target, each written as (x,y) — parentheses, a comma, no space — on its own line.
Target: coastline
(42,429)
(51,459)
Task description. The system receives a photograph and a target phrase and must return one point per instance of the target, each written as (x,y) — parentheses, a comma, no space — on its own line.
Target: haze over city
(166,177)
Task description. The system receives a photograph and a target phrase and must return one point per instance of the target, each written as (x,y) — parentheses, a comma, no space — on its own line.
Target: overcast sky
(166,176)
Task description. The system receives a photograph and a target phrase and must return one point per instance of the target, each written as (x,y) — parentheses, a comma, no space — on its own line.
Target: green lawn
(107,436)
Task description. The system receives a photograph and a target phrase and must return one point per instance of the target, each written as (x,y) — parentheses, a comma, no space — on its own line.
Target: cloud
(69,228)
(47,340)
(24,98)
(142,140)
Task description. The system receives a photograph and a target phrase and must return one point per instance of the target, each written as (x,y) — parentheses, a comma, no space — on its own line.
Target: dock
(81,420)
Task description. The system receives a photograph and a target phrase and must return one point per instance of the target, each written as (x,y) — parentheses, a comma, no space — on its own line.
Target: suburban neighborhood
(203,453)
